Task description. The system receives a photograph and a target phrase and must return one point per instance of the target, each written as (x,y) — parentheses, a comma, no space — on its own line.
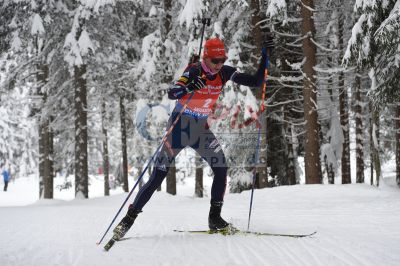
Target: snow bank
(356,224)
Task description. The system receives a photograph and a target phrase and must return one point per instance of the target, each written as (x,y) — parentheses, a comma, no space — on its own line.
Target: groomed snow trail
(356,224)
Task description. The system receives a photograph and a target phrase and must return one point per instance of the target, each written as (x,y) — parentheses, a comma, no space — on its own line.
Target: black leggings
(192,132)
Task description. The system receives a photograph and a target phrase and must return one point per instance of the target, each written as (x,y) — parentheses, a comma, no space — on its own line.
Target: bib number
(207,103)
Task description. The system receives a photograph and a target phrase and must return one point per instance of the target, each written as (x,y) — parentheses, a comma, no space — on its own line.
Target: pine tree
(372,47)
(30,29)
(285,118)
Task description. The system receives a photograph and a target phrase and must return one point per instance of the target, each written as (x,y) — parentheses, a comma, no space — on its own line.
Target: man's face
(215,64)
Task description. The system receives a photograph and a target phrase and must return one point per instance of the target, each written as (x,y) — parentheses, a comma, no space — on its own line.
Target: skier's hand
(196,84)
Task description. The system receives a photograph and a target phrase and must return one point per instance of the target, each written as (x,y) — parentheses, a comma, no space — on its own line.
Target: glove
(196,84)
(268,43)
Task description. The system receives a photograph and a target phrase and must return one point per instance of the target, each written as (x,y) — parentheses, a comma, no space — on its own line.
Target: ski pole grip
(206,21)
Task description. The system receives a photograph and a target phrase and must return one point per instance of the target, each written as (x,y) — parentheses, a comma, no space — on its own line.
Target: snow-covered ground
(356,224)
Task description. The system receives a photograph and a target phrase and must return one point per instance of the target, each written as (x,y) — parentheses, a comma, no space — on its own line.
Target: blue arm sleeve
(245,79)
(178,90)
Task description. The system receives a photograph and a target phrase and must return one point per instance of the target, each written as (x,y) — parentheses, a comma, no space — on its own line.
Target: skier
(205,80)
(6,178)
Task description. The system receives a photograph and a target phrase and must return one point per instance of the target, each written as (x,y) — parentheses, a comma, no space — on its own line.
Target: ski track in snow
(355,224)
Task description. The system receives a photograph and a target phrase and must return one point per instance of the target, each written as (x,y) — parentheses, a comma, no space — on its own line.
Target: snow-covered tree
(374,46)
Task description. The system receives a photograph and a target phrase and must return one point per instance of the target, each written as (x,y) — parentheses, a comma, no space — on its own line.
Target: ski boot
(124,225)
(215,221)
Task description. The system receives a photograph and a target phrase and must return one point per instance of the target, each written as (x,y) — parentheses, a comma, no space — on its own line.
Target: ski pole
(148,164)
(196,58)
(204,21)
(256,159)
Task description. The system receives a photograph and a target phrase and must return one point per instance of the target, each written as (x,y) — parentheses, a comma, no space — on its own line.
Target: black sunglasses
(216,61)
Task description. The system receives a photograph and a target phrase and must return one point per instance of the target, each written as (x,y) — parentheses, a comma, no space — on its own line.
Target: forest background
(83,89)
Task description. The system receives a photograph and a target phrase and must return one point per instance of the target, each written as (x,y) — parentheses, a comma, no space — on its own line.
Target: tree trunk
(165,29)
(81,135)
(51,158)
(344,121)
(359,132)
(371,144)
(124,146)
(140,169)
(262,171)
(198,188)
(290,165)
(311,158)
(106,163)
(45,141)
(330,171)
(41,158)
(375,138)
(167,19)
(344,114)
(171,179)
(398,144)
(290,155)
(277,149)
(48,175)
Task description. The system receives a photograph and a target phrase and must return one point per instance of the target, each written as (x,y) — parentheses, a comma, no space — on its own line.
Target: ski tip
(307,235)
(97,243)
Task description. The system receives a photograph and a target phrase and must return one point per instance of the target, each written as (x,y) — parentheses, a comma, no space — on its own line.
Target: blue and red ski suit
(192,130)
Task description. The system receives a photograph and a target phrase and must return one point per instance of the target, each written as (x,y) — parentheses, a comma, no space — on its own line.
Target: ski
(239,232)
(227,232)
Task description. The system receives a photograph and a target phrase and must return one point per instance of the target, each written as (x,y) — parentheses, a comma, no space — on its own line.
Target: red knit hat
(214,48)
